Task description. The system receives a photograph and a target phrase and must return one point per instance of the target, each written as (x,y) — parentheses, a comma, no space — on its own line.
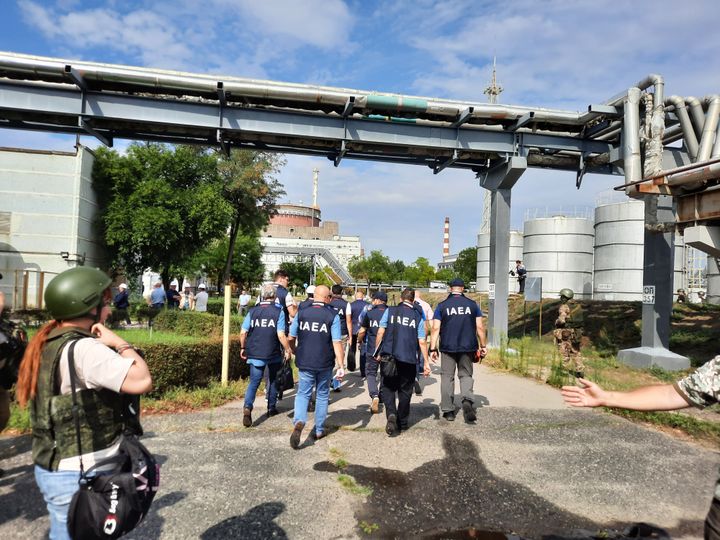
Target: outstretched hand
(589,396)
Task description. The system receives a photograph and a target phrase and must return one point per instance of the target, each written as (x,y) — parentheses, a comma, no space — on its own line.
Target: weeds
(348,482)
(212,395)
(368,528)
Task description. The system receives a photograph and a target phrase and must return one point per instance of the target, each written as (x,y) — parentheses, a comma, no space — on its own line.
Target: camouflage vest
(101,412)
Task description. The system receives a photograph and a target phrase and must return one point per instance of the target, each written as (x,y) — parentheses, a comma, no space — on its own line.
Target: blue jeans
(57,488)
(256,376)
(308,379)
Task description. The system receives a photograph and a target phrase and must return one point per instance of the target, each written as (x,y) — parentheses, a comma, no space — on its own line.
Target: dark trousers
(712,521)
(373,376)
(397,391)
(352,354)
(521,284)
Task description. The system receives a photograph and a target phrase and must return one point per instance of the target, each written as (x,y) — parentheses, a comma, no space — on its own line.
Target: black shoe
(449,416)
(468,411)
(391,428)
(418,388)
(273,412)
(295,436)
(247,417)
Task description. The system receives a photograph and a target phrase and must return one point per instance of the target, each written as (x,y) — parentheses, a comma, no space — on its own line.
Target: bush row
(191,365)
(192,323)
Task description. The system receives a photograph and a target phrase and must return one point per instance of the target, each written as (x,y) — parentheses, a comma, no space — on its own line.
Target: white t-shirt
(201,300)
(96,366)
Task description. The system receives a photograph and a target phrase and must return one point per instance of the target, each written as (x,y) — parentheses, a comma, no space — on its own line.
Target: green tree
(159,205)
(446,275)
(251,189)
(420,273)
(299,271)
(246,270)
(326,276)
(466,265)
(376,268)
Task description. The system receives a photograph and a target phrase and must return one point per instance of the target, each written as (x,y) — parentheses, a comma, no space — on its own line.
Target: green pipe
(396,103)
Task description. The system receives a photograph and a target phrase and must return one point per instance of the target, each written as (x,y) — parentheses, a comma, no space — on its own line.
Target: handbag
(285,380)
(388,366)
(111,503)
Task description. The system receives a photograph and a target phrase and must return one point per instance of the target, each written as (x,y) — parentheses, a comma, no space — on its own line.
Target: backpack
(112,503)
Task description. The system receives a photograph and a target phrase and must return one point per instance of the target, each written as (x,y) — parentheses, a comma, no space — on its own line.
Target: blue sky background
(554,54)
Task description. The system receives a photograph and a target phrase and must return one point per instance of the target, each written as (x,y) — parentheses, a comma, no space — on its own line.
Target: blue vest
(371,321)
(341,305)
(305,303)
(401,335)
(280,296)
(458,332)
(356,308)
(315,347)
(262,340)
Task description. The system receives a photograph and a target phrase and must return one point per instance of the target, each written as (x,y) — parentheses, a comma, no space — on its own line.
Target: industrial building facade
(47,213)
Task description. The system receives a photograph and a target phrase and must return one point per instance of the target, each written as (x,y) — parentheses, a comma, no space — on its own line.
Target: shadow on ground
(458,497)
(256,524)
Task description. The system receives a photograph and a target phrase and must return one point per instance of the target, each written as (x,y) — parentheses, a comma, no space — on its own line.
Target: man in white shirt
(201,298)
(243,302)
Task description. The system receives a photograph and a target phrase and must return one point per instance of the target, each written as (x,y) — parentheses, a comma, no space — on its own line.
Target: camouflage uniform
(701,389)
(567,340)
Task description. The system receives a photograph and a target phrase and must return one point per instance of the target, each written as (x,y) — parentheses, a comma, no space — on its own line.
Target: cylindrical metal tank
(619,245)
(483,260)
(713,281)
(619,252)
(559,249)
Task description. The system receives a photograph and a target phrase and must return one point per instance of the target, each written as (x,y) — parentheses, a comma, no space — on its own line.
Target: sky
(553,54)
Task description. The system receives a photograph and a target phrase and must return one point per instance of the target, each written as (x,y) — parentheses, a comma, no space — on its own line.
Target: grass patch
(184,399)
(348,482)
(142,336)
(19,421)
(697,428)
(368,528)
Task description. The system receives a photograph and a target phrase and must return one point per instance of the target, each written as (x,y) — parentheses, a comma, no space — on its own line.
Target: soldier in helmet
(76,348)
(567,336)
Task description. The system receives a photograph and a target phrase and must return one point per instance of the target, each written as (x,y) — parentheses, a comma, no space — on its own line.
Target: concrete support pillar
(657,290)
(499,180)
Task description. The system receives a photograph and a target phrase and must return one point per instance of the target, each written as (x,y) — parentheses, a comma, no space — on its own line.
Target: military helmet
(566,293)
(75,292)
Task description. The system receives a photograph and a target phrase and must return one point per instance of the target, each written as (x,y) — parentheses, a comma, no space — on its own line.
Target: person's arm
(361,334)
(662,397)
(426,362)
(281,327)
(482,338)
(379,338)
(434,339)
(2,302)
(348,319)
(138,379)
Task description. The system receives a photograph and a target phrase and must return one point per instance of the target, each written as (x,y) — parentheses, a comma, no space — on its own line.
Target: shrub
(192,364)
(192,323)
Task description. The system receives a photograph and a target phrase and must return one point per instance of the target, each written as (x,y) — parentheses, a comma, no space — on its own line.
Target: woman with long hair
(107,369)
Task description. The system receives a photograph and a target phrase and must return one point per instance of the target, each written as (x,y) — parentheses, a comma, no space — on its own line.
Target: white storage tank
(619,252)
(713,281)
(483,260)
(559,249)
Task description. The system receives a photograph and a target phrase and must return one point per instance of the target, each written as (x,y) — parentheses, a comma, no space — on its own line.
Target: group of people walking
(393,346)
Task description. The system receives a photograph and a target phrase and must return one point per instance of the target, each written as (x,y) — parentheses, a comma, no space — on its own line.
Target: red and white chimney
(446,239)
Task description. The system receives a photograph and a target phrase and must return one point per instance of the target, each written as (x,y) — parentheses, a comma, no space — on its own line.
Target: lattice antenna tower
(492,92)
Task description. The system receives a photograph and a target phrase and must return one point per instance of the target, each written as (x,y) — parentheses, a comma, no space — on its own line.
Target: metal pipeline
(685,124)
(697,114)
(654,80)
(694,178)
(308,97)
(710,127)
(631,136)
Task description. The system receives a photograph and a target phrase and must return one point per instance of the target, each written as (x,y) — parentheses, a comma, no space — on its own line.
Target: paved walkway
(529,466)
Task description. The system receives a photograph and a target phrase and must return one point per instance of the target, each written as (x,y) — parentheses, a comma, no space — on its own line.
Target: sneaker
(391,427)
(418,388)
(273,412)
(247,417)
(375,405)
(295,436)
(449,416)
(468,411)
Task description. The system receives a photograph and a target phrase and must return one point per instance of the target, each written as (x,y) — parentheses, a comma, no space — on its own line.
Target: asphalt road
(528,466)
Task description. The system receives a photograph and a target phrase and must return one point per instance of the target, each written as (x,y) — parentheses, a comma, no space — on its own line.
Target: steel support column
(500,180)
(657,289)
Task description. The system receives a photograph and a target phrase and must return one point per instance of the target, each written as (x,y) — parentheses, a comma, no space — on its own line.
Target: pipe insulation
(681,112)
(709,128)
(631,137)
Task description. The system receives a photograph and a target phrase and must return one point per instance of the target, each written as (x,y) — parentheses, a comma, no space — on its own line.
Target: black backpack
(112,503)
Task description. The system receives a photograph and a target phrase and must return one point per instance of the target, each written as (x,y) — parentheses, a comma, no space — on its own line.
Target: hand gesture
(107,336)
(589,396)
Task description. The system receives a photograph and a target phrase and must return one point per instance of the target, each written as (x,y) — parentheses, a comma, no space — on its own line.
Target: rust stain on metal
(699,207)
